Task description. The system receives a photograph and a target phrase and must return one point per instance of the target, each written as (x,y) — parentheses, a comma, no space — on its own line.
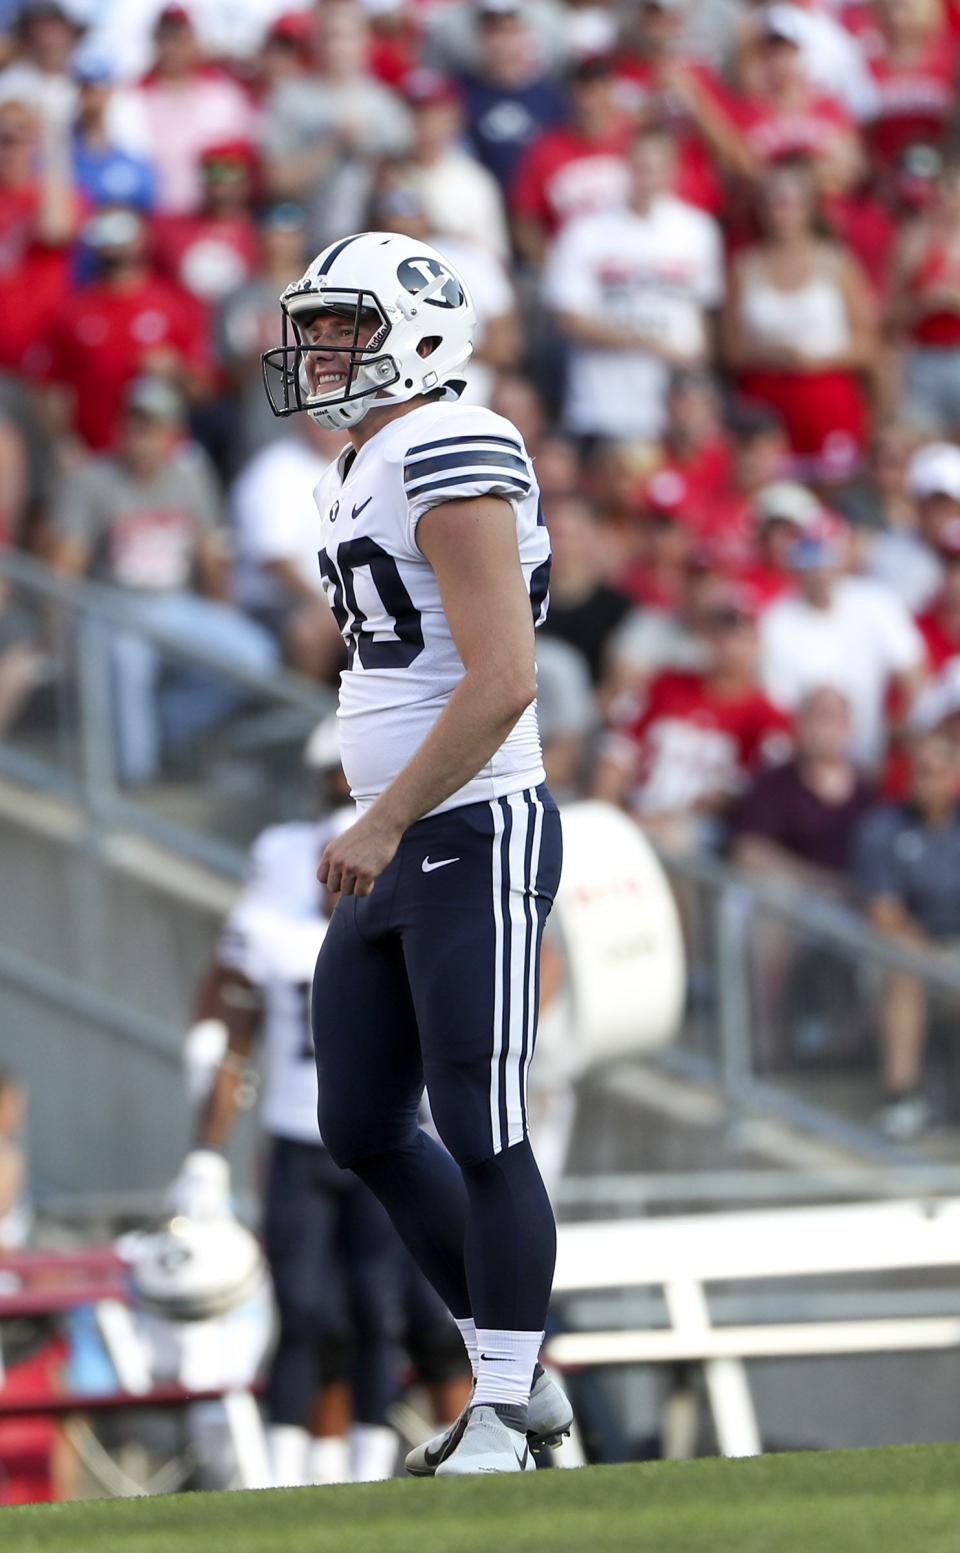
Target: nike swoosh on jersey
(496,1358)
(358,508)
(427,867)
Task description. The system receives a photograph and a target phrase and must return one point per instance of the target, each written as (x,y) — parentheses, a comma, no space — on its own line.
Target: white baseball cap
(789,502)
(935,471)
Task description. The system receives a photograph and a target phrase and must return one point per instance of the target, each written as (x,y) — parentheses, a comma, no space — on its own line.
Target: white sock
(288,1455)
(468,1331)
(329,1460)
(505,1362)
(373,1452)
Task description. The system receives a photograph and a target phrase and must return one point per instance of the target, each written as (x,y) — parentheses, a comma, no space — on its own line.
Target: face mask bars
(283,366)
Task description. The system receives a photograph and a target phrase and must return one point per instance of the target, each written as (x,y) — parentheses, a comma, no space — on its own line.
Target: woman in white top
(799,329)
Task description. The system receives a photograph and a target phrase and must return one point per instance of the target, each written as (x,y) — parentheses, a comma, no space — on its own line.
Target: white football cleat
(488,1443)
(549,1421)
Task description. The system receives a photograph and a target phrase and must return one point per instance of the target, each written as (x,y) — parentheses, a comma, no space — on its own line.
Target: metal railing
(208,802)
(785,992)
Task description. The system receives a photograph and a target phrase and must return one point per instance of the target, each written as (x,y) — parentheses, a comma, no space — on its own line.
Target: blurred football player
(331,1248)
(435,560)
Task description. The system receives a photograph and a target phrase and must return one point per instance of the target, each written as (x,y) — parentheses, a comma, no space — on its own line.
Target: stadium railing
(213,797)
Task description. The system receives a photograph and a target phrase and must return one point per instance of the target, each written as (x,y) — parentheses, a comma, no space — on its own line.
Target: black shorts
(434,977)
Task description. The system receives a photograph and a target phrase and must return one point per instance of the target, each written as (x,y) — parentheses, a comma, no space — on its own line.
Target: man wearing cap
(632,291)
(849,632)
(146,521)
(124,322)
(212,252)
(907,559)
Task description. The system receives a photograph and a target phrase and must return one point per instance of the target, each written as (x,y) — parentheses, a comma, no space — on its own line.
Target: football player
(331,1248)
(435,560)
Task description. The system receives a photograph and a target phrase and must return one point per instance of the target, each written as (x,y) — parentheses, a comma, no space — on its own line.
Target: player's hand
(352,863)
(201,1190)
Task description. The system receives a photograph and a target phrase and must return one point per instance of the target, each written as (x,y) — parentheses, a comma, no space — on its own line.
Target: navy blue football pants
(337,1273)
(434,979)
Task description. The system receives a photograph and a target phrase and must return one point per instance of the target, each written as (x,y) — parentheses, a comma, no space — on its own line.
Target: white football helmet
(411,292)
(192,1270)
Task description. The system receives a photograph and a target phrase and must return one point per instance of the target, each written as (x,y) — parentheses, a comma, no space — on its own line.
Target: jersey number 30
(375,652)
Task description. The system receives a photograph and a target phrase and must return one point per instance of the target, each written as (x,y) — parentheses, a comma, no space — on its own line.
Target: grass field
(897,1500)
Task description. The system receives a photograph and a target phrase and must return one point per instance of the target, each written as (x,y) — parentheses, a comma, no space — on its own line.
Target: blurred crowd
(715,252)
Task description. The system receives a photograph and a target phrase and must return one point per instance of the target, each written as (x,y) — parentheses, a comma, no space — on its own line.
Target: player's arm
(472,548)
(228,1008)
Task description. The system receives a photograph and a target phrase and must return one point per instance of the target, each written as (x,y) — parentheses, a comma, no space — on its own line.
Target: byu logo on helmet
(376,319)
(418,273)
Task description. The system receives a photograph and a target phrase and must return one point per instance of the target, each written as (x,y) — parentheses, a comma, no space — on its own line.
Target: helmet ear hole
(429,344)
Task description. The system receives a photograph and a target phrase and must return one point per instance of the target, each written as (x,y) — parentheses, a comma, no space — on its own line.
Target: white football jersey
(402,663)
(272,936)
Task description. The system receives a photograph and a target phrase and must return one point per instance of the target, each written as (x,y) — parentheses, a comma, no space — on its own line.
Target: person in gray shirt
(907,868)
(146,521)
(322,132)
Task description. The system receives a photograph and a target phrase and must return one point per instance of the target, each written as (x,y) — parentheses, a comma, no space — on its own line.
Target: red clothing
(562,175)
(773,132)
(824,415)
(940,644)
(697,179)
(915,101)
(33,276)
(764,584)
(689,744)
(101,339)
(867,228)
(938,269)
(208,256)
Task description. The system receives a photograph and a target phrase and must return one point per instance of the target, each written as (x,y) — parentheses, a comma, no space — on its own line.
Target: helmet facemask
(369,369)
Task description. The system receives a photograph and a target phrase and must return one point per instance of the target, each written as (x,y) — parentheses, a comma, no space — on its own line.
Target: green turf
(897,1500)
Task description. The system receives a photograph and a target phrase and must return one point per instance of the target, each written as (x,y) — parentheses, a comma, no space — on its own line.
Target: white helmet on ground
(193,1269)
(411,295)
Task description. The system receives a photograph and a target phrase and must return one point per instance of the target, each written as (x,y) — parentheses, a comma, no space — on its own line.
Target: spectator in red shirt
(38,216)
(696,443)
(576,169)
(780,114)
(665,540)
(783,512)
(728,517)
(939,624)
(212,253)
(913,60)
(126,322)
(689,743)
(657,80)
(800,332)
(924,308)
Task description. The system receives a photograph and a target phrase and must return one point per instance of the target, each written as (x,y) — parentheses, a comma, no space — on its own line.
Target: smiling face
(333,336)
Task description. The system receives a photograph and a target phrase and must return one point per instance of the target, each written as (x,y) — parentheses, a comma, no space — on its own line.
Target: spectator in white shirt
(907,559)
(400,207)
(461,197)
(277,578)
(851,633)
(632,291)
